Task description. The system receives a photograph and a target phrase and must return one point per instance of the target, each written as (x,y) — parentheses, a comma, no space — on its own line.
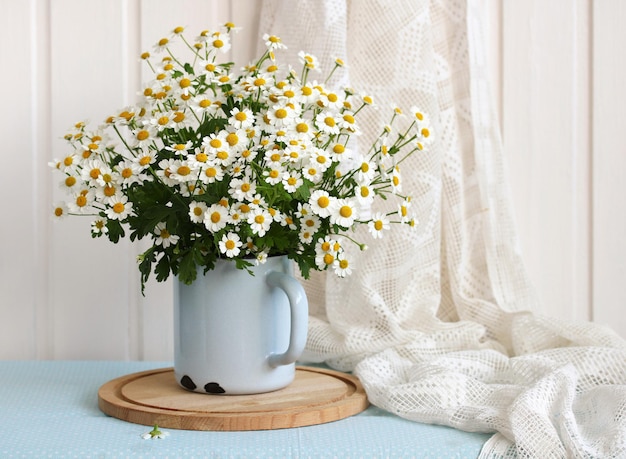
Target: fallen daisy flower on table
(154,433)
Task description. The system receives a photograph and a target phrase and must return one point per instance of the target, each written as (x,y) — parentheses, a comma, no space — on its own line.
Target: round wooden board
(316,396)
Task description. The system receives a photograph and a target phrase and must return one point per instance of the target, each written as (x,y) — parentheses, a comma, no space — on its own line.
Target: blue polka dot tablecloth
(49,409)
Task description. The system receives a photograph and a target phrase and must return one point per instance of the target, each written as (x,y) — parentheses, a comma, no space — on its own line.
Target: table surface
(50,409)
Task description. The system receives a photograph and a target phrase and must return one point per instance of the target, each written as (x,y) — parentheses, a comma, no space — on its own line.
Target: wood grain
(316,396)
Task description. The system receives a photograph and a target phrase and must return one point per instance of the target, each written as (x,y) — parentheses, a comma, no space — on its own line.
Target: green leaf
(116,231)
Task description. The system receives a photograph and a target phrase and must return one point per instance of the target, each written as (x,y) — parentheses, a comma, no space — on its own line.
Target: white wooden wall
(557,68)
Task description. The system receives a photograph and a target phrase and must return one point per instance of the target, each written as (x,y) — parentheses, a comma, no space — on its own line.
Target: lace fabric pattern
(441,324)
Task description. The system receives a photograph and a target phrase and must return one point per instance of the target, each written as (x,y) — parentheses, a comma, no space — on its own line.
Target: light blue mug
(239,333)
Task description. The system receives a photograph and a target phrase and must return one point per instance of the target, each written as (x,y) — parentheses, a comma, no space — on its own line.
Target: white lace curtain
(438,324)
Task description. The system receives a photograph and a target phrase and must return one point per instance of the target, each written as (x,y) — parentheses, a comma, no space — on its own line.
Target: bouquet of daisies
(213,163)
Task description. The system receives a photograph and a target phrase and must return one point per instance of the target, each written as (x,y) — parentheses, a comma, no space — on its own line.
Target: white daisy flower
(230,244)
(342,266)
(60,210)
(273,42)
(82,202)
(242,189)
(321,203)
(241,119)
(119,208)
(310,222)
(215,218)
(273,175)
(321,159)
(378,224)
(309,61)
(281,116)
(163,236)
(327,123)
(396,182)
(197,211)
(365,195)
(343,212)
(312,172)
(259,221)
(261,258)
(98,227)
(292,181)
(155,433)
(403,209)
(211,173)
(305,235)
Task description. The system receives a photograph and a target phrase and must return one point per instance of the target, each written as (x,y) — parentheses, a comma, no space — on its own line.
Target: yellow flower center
(395,180)
(273,39)
(211,172)
(215,143)
(365,167)
(328,259)
(197,211)
(163,41)
(143,135)
(232,139)
(259,82)
(94,173)
(183,170)
(127,172)
(306,91)
(345,211)
(281,113)
(145,160)
(244,208)
(323,202)
(109,191)
(230,244)
(329,121)
(343,264)
(378,225)
(81,201)
(365,192)
(164,234)
(68,161)
(245,187)
(179,117)
(241,116)
(321,159)
(201,157)
(145,55)
(178,30)
(185,83)
(302,128)
(338,148)
(292,181)
(216,217)
(425,132)
(222,155)
(218,43)
(204,103)
(332,97)
(58,211)
(325,246)
(259,219)
(118,208)
(274,173)
(70,181)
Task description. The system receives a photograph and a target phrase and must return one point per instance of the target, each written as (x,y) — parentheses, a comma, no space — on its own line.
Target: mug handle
(299,317)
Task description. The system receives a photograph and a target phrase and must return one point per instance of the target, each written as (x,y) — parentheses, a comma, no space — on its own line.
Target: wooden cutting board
(316,396)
